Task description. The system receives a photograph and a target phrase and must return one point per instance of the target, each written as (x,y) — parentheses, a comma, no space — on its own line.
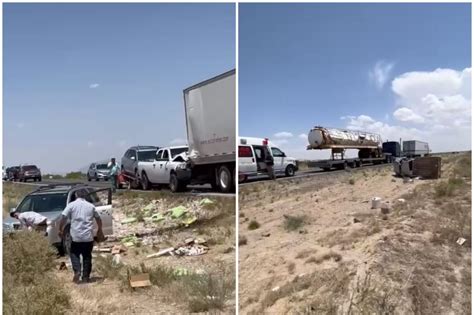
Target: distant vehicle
(4,173)
(98,171)
(393,148)
(12,173)
(252,152)
(29,172)
(209,109)
(131,160)
(414,148)
(51,200)
(162,171)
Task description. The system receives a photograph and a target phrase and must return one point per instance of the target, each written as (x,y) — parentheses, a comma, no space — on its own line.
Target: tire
(326,169)
(290,171)
(88,178)
(135,183)
(224,179)
(96,178)
(66,241)
(40,179)
(175,184)
(144,182)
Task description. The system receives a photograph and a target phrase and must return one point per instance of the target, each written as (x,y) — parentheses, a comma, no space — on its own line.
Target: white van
(252,153)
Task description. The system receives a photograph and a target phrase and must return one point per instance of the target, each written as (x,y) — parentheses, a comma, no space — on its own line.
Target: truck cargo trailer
(414,148)
(210,123)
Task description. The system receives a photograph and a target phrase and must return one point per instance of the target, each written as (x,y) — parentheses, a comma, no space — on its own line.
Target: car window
(277,152)
(177,151)
(166,155)
(30,168)
(258,152)
(102,166)
(158,155)
(245,151)
(43,203)
(148,155)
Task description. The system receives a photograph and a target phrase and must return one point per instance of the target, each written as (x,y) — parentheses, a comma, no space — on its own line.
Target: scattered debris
(117,249)
(461,241)
(129,220)
(140,280)
(178,212)
(266,234)
(191,250)
(275,289)
(117,259)
(385,208)
(130,240)
(376,202)
(99,249)
(401,200)
(356,220)
(206,201)
(162,252)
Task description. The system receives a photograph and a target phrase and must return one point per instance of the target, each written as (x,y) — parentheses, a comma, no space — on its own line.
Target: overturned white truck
(210,123)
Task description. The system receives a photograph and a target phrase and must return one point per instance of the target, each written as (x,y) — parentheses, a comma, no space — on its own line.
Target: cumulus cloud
(406,114)
(178,141)
(430,106)
(303,136)
(94,85)
(283,135)
(380,73)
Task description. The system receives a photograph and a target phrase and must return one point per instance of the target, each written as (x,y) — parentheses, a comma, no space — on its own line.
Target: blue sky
(82,82)
(361,66)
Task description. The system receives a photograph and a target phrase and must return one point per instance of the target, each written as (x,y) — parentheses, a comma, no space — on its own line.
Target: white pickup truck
(162,171)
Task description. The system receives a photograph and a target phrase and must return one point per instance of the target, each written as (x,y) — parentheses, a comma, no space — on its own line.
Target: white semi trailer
(210,123)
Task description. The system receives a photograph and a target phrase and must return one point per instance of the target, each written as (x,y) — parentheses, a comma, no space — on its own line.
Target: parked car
(98,171)
(51,200)
(162,170)
(12,173)
(131,160)
(252,152)
(27,172)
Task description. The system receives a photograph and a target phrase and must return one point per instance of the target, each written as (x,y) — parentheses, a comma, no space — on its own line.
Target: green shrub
(253,225)
(293,223)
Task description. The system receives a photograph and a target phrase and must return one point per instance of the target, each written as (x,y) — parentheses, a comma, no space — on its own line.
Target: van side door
(247,161)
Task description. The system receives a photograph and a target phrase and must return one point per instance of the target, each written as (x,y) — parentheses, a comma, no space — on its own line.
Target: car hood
(51,216)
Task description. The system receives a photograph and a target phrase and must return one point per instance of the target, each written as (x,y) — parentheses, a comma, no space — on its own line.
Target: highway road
(195,190)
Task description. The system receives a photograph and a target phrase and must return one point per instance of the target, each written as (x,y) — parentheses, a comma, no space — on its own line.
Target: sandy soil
(321,249)
(106,296)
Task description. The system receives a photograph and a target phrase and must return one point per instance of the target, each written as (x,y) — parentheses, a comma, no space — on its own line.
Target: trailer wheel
(175,184)
(145,182)
(224,179)
(290,171)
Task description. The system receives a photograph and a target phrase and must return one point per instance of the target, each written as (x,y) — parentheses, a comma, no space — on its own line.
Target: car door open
(102,200)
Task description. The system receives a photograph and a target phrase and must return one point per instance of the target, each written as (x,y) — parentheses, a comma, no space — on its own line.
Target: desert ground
(313,245)
(180,284)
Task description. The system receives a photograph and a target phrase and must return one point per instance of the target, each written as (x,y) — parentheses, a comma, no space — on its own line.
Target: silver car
(50,202)
(98,171)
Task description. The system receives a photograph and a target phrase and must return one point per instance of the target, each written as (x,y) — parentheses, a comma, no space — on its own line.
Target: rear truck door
(278,159)
(102,200)
(247,161)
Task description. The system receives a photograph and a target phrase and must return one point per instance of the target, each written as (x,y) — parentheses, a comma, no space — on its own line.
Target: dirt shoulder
(314,245)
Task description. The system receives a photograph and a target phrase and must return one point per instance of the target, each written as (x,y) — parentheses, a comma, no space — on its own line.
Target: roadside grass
(13,193)
(293,223)
(29,286)
(203,291)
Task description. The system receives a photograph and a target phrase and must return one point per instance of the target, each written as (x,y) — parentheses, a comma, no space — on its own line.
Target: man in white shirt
(81,214)
(30,220)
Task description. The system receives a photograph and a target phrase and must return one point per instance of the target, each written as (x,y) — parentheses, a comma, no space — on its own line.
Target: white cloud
(406,114)
(303,136)
(380,73)
(283,135)
(94,85)
(431,106)
(178,141)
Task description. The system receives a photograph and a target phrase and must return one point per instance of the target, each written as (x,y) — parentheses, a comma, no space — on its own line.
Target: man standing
(81,215)
(114,170)
(30,220)
(270,164)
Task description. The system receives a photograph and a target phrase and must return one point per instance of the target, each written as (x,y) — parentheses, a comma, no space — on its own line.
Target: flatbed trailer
(341,164)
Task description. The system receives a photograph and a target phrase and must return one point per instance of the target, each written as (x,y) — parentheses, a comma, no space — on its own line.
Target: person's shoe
(86,280)
(76,278)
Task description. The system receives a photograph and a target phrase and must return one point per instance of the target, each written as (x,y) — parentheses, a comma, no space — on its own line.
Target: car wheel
(145,182)
(135,184)
(175,184)
(88,178)
(224,179)
(66,241)
(290,171)
(96,178)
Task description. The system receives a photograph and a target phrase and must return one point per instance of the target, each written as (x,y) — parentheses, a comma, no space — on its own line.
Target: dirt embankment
(144,224)
(315,246)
